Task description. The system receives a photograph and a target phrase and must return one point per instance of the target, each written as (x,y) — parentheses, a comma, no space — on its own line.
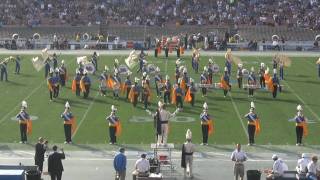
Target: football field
(301,86)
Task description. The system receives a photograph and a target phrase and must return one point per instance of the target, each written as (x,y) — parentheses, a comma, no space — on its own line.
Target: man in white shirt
(142,167)
(278,168)
(313,169)
(302,166)
(238,157)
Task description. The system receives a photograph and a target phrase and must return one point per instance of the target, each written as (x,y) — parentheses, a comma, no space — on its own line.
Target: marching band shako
(123,70)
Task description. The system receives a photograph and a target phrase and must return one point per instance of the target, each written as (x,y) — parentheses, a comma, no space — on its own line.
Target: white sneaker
(65,142)
(21,142)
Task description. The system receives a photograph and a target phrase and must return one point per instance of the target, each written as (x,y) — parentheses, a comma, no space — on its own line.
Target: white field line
(238,114)
(18,105)
(302,101)
(85,115)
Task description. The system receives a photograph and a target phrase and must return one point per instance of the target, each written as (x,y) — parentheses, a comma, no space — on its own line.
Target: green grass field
(301,86)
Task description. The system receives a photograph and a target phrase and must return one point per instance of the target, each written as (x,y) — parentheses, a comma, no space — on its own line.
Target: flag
(49,86)
(82,87)
(258,127)
(210,127)
(74,86)
(174,96)
(29,126)
(110,83)
(305,129)
(131,95)
(118,128)
(73,125)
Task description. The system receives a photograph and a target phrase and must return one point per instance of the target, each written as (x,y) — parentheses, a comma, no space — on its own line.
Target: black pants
(39,163)
(204,91)
(251,131)
(51,94)
(210,78)
(299,133)
(275,91)
(86,93)
(128,91)
(251,92)
(225,92)
(179,101)
(262,82)
(112,134)
(56,90)
(145,101)
(23,132)
(55,175)
(178,52)
(239,83)
(135,100)
(77,89)
(193,99)
(67,132)
(166,97)
(166,51)
(62,79)
(156,52)
(205,133)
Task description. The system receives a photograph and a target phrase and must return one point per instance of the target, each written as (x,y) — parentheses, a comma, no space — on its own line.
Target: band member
(195,62)
(69,123)
(141,58)
(63,73)
(24,122)
(134,92)
(252,82)
(85,84)
(177,96)
(54,61)
(4,71)
(166,50)
(204,80)
(76,83)
(239,76)
(210,71)
(145,66)
(188,149)
(103,82)
(114,125)
(261,75)
(81,69)
(146,95)
(167,91)
(116,84)
(228,62)
(18,65)
(56,84)
(95,60)
(46,67)
(184,83)
(301,125)
(50,83)
(178,51)
(177,71)
(281,70)
(191,93)
(253,124)
(275,83)
(225,82)
(206,124)
(158,82)
(275,62)
(116,65)
(127,86)
(162,117)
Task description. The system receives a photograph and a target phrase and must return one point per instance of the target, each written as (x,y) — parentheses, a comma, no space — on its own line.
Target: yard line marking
(18,105)
(238,114)
(303,102)
(85,115)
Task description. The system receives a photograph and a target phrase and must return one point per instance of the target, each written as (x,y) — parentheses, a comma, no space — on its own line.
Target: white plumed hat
(205,106)
(299,108)
(67,105)
(113,108)
(160,104)
(189,134)
(24,104)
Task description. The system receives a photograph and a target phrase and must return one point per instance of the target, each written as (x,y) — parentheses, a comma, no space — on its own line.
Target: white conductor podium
(163,152)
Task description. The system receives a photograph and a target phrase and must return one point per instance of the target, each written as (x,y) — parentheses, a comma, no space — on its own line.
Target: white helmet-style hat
(299,108)
(240,65)
(113,108)
(205,106)
(262,64)
(62,62)
(116,61)
(24,104)
(225,69)
(189,134)
(167,77)
(67,105)
(144,74)
(252,69)
(210,61)
(160,104)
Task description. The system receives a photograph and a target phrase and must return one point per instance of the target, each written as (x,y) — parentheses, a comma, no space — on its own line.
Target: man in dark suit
(41,147)
(55,167)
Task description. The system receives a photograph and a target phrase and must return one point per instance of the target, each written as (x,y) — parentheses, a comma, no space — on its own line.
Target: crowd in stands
(291,13)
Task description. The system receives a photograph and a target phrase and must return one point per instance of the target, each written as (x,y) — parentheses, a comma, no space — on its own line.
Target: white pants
(164,134)
(189,160)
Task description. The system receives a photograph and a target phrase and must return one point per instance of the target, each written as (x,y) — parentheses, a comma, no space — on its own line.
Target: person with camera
(40,148)
(55,167)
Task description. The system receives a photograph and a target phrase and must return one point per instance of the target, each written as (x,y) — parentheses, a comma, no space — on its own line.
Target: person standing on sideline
(302,166)
(40,148)
(238,157)
(188,149)
(18,63)
(120,164)
(55,167)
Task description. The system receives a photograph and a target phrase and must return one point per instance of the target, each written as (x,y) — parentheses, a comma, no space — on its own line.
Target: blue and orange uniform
(134,94)
(56,85)
(127,86)
(275,83)
(251,82)
(46,67)
(253,126)
(228,65)
(23,118)
(157,81)
(112,120)
(85,84)
(205,126)
(167,92)
(68,119)
(204,80)
(178,96)
(225,83)
(301,128)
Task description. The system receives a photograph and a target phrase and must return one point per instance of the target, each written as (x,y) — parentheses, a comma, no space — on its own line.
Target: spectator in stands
(302,166)
(120,164)
(279,166)
(141,167)
(313,169)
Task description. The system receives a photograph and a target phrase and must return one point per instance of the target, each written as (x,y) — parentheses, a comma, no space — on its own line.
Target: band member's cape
(210,127)
(29,126)
(118,128)
(110,83)
(223,84)
(268,81)
(73,125)
(82,87)
(257,125)
(183,157)
(174,96)
(123,88)
(305,129)
(74,85)
(49,86)
(188,97)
